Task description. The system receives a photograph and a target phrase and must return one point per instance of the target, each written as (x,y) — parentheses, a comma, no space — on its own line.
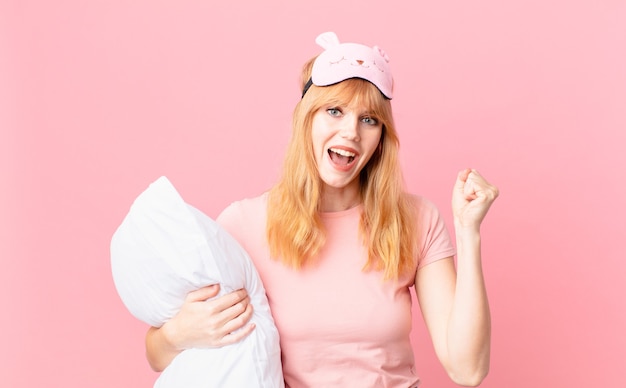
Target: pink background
(99,98)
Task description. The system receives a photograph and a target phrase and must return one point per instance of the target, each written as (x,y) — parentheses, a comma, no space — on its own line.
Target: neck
(339,199)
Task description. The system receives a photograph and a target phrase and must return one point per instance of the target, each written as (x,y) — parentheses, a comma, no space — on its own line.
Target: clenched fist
(471,198)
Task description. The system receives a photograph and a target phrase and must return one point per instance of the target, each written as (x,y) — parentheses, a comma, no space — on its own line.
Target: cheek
(372,142)
(319,136)
(317,153)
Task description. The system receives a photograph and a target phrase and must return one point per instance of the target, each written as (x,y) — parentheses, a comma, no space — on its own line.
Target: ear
(327,40)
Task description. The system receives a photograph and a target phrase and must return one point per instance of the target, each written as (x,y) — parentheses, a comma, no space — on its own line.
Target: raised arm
(200,323)
(454,301)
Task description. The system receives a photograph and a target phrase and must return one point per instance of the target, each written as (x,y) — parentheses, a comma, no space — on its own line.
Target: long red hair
(295,231)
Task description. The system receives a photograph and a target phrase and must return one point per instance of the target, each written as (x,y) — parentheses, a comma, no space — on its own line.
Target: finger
(477,179)
(228,306)
(237,322)
(470,189)
(231,321)
(481,185)
(237,336)
(203,293)
(232,312)
(232,298)
(462,178)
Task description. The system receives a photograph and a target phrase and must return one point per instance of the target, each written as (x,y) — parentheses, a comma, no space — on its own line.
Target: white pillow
(164,249)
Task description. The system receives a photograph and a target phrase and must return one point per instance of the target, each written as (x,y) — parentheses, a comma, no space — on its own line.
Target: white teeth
(343,152)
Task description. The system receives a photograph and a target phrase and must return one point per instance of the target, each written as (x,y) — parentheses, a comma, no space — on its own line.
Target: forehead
(355,94)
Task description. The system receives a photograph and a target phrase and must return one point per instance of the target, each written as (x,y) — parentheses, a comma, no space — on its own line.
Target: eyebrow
(361,111)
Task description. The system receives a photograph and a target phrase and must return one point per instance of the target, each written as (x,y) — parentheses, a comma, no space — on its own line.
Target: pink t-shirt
(339,326)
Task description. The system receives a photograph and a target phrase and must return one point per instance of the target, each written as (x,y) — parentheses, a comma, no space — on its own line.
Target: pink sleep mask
(341,61)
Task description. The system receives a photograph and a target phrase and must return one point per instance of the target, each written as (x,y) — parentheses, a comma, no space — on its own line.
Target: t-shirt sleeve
(435,241)
(230,218)
(245,221)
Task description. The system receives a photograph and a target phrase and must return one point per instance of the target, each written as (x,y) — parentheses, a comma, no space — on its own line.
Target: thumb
(461,179)
(203,293)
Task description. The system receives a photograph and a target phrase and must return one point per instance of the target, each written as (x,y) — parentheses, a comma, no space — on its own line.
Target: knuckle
(213,336)
(238,321)
(210,309)
(239,307)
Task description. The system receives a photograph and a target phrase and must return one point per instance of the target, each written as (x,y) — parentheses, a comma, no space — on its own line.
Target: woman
(338,243)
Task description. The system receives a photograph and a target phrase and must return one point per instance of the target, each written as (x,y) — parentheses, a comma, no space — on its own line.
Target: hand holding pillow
(163,250)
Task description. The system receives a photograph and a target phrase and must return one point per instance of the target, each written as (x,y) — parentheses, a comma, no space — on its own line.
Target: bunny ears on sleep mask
(341,61)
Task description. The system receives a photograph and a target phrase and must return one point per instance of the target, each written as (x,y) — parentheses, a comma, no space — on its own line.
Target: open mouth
(341,157)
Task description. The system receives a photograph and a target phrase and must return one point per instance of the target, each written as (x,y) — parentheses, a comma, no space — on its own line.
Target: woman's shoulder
(245,209)
(434,239)
(424,207)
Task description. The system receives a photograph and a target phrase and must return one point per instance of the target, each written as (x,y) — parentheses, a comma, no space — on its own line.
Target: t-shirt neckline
(342,213)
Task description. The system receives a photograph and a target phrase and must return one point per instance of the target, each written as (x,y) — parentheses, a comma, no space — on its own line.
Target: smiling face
(325,156)
(344,136)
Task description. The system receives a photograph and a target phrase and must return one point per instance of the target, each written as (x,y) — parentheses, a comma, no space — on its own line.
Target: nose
(350,128)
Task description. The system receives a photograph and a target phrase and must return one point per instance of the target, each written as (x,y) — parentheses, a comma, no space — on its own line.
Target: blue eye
(369,120)
(334,112)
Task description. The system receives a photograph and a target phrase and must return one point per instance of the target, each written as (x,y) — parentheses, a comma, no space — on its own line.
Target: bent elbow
(156,368)
(155,365)
(469,378)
